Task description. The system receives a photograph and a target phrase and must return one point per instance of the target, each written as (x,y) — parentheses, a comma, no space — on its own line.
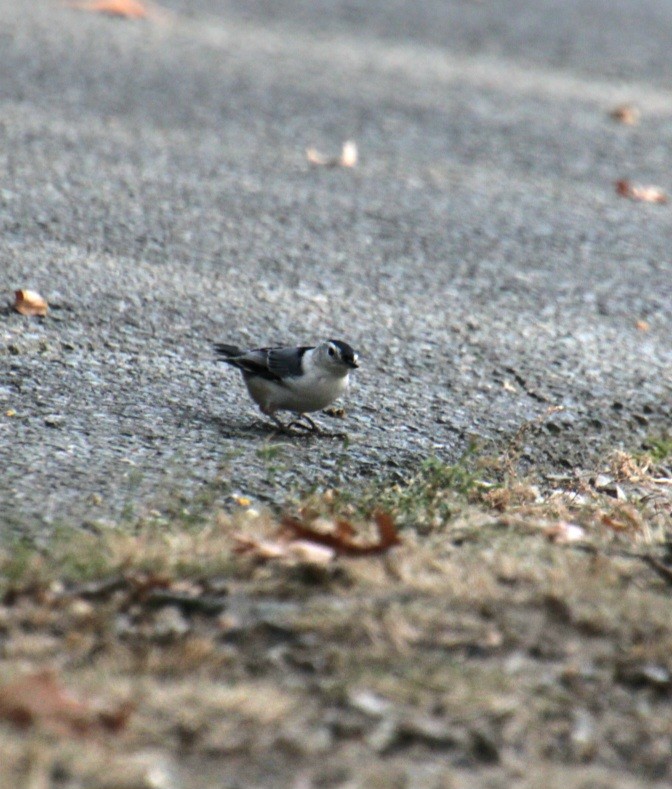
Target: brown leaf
(623,518)
(28,302)
(626,114)
(127,9)
(612,523)
(342,538)
(41,700)
(386,529)
(344,529)
(644,194)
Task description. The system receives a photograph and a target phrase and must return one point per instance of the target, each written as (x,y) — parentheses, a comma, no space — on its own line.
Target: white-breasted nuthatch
(298,379)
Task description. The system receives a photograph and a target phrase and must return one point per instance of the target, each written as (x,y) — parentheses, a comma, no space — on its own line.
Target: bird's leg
(313,428)
(295,423)
(282,427)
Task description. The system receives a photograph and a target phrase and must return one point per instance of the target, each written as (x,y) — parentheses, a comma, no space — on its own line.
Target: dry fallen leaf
(644,194)
(349,154)
(319,159)
(612,523)
(303,551)
(41,700)
(348,157)
(563,533)
(625,517)
(625,113)
(342,538)
(128,9)
(318,541)
(309,552)
(28,302)
(260,549)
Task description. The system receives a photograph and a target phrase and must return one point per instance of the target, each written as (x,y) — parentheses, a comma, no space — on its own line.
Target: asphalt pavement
(154,187)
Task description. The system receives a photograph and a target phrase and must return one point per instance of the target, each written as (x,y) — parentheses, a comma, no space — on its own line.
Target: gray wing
(250,363)
(273,364)
(286,362)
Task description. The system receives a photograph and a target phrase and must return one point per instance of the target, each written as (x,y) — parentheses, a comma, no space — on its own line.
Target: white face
(338,358)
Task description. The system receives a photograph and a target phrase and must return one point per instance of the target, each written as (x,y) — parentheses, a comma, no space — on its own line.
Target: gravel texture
(154,188)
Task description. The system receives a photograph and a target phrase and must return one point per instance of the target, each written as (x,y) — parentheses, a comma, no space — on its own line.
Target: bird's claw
(304,428)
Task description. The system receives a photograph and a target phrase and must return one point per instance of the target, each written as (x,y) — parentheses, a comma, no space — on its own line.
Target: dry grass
(520,634)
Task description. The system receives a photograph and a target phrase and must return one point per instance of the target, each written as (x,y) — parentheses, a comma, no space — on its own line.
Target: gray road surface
(154,187)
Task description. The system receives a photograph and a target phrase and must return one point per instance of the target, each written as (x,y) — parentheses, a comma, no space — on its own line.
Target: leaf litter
(476,642)
(29,302)
(639,192)
(319,541)
(41,700)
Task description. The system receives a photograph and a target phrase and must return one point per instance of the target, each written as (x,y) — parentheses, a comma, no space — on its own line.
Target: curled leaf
(643,194)
(342,537)
(28,302)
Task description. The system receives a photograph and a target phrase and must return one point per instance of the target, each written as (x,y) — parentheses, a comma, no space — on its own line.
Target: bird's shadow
(256,429)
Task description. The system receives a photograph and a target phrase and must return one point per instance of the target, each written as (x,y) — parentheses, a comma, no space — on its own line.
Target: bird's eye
(332,352)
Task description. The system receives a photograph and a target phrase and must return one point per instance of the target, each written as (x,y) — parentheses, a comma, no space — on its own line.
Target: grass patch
(658,448)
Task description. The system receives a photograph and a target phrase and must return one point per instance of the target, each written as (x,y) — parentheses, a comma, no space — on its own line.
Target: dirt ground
(512,638)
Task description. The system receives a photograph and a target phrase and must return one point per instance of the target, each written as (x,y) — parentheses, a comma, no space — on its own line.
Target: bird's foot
(311,428)
(293,428)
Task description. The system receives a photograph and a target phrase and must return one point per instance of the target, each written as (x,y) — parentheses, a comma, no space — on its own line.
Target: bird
(300,379)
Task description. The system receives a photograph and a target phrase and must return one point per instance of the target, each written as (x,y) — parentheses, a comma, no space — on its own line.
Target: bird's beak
(354,362)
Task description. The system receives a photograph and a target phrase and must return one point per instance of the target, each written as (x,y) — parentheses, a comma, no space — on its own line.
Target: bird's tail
(226,352)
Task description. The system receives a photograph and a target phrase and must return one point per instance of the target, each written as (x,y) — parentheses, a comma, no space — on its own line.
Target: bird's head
(337,356)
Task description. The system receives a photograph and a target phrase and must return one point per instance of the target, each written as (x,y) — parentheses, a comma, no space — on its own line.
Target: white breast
(310,392)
